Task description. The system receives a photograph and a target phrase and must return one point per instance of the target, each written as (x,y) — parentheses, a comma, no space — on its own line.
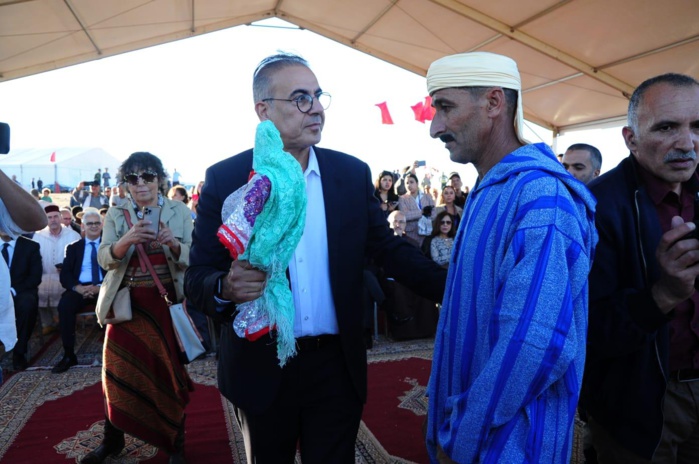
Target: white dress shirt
(309,268)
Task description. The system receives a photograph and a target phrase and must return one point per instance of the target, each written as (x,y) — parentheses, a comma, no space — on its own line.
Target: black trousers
(316,407)
(70,304)
(26,312)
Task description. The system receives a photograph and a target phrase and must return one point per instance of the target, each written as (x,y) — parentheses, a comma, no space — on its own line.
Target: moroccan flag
(53,157)
(423,110)
(418,110)
(385,114)
(427,109)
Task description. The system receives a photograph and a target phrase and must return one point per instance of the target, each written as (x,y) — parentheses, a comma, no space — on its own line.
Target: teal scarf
(277,232)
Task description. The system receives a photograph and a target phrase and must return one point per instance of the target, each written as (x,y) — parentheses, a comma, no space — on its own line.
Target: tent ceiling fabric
(579,59)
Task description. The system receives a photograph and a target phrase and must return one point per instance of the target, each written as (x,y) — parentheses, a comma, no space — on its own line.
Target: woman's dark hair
(383,174)
(414,177)
(437,222)
(182,191)
(144,161)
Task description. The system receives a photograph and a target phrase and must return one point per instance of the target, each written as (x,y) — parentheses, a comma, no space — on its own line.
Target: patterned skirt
(146,387)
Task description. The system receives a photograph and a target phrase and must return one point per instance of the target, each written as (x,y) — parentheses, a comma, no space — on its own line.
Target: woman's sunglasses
(445,223)
(147,176)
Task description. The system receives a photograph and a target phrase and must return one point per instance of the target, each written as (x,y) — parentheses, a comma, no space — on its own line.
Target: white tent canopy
(579,59)
(70,165)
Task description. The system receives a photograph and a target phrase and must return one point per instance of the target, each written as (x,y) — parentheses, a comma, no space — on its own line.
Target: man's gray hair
(90,211)
(262,77)
(673,79)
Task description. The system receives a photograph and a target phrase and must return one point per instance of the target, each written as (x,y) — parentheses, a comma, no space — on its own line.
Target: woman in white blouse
(412,205)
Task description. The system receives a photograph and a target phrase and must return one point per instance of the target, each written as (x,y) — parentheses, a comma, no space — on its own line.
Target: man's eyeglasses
(92,224)
(147,176)
(445,223)
(304,102)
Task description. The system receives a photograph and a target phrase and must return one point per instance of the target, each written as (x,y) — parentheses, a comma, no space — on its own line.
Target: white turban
(478,69)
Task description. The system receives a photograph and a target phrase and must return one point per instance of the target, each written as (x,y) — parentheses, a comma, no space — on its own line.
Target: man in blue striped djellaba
(510,347)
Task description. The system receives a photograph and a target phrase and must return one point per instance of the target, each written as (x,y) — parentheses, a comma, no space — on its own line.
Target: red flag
(53,157)
(418,110)
(427,109)
(385,114)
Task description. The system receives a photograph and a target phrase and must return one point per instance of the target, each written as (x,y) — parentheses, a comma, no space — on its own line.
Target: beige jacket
(175,215)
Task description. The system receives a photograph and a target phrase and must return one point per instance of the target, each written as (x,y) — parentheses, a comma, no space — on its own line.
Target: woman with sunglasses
(145,385)
(438,246)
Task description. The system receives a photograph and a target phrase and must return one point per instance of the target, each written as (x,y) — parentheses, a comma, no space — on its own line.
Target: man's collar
(312,163)
(658,190)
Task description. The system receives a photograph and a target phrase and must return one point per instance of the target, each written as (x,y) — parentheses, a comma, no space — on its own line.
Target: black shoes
(19,362)
(110,446)
(178,456)
(64,364)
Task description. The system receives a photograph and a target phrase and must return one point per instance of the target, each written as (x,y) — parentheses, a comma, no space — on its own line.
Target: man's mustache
(679,155)
(446,138)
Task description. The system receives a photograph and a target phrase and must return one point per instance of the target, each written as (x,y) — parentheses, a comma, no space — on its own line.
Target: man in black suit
(316,399)
(81,276)
(25,276)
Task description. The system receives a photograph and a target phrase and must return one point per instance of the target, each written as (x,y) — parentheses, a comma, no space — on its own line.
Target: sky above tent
(190,103)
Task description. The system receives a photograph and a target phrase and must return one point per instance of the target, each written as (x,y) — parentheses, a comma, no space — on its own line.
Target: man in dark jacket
(641,384)
(24,260)
(316,399)
(81,276)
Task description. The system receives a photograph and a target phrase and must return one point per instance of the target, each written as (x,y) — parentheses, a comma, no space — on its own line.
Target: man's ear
(496,102)
(262,110)
(629,138)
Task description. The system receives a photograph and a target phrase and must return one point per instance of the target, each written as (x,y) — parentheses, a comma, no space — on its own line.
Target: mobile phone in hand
(152,214)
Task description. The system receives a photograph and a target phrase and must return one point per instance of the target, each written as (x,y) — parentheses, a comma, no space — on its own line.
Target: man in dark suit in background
(316,399)
(81,276)
(24,260)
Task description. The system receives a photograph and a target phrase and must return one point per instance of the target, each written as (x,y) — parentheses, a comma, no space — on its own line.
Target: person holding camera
(386,193)
(414,205)
(145,385)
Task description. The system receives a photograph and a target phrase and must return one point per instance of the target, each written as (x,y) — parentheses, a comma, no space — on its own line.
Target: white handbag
(188,337)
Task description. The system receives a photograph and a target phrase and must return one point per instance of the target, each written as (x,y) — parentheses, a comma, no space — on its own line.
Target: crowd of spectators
(43,297)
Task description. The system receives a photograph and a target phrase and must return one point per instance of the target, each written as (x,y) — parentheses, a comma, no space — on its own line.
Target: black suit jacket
(25,269)
(249,372)
(72,264)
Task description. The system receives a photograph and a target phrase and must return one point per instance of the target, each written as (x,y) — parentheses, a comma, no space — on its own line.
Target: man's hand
(679,265)
(87,291)
(243,283)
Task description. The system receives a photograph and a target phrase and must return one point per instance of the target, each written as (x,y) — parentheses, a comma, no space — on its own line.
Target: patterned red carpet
(48,418)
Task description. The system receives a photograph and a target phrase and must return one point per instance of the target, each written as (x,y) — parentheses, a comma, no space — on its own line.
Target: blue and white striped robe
(510,347)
